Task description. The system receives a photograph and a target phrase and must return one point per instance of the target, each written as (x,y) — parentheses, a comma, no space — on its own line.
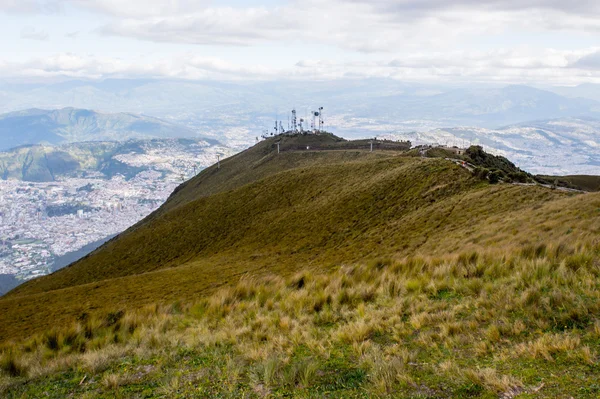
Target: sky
(551,42)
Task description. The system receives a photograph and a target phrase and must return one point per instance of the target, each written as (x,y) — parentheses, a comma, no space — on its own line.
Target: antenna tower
(321,119)
(294,121)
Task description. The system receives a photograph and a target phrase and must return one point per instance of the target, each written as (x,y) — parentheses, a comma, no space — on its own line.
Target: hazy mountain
(48,163)
(512,104)
(239,111)
(236,113)
(586,90)
(35,126)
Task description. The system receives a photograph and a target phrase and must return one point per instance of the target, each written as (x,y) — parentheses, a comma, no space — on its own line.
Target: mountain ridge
(44,163)
(60,126)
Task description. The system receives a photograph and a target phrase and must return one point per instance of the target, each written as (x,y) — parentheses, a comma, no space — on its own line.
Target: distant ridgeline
(70,125)
(43,163)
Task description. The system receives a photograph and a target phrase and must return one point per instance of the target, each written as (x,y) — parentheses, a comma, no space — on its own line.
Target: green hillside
(323,270)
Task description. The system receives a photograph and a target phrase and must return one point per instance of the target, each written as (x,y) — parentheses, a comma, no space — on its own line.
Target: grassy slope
(328,208)
(476,325)
(452,326)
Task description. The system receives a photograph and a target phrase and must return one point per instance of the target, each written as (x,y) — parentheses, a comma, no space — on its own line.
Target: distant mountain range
(590,91)
(235,113)
(239,111)
(67,125)
(39,163)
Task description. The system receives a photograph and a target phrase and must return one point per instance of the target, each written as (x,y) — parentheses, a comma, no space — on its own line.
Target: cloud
(590,61)
(31,33)
(507,66)
(357,25)
(73,35)
(366,26)
(227,26)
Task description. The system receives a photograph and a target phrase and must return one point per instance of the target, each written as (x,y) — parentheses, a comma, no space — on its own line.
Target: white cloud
(401,39)
(514,66)
(363,26)
(358,25)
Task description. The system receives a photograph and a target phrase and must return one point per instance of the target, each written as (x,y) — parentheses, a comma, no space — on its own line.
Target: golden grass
(361,209)
(474,335)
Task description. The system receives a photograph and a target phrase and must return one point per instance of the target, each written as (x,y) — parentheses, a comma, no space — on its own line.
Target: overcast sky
(552,42)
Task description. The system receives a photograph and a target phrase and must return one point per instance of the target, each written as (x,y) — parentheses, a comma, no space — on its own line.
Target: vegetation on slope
(316,273)
(519,324)
(493,168)
(336,207)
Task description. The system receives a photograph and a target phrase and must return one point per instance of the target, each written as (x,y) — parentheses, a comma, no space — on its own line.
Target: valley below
(107,187)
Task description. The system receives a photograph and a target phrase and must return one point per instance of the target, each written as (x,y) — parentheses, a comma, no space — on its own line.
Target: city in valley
(41,222)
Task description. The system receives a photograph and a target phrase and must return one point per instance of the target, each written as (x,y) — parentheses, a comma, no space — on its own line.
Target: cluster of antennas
(300,125)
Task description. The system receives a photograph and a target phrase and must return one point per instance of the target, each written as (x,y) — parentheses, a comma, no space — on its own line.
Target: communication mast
(281,127)
(321,122)
(294,121)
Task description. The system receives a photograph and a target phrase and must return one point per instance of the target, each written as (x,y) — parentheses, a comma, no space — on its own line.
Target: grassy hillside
(328,270)
(475,325)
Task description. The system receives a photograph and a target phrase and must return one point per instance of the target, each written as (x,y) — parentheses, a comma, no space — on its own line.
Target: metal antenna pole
(294,121)
(321,119)
(278,147)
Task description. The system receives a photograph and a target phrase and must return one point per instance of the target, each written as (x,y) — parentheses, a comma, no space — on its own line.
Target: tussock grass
(309,212)
(469,325)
